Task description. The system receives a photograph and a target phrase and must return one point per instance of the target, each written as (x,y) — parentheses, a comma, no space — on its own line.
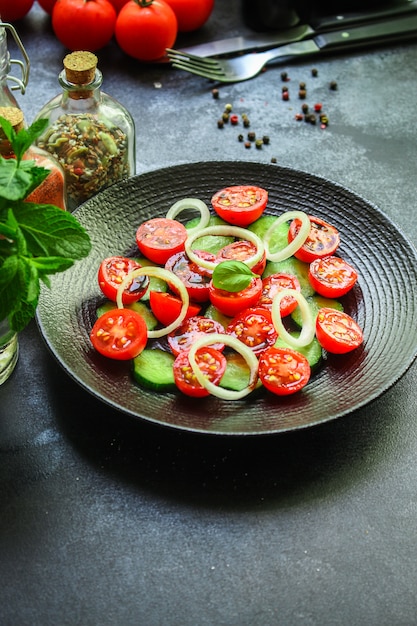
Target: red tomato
(183,337)
(160,238)
(83,25)
(240,205)
(191,14)
(167,307)
(241,251)
(113,271)
(47,5)
(119,4)
(323,239)
(211,362)
(283,371)
(232,303)
(337,332)
(254,328)
(195,278)
(12,10)
(274,283)
(119,334)
(331,276)
(145,30)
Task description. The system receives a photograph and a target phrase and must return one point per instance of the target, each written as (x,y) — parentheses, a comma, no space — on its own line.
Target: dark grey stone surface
(112,522)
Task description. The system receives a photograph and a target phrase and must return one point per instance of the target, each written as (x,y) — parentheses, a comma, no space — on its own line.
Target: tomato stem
(144,3)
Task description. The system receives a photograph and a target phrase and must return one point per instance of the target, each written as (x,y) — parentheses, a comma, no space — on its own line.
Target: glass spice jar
(6,96)
(52,188)
(90,133)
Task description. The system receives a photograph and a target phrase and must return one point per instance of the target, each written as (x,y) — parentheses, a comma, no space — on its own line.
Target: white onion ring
(191,203)
(296,243)
(239,346)
(226,231)
(307,333)
(170,278)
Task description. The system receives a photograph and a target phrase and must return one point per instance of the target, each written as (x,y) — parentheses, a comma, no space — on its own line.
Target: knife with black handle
(263,41)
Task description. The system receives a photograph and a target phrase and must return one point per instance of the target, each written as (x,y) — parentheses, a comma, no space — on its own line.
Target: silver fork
(237,69)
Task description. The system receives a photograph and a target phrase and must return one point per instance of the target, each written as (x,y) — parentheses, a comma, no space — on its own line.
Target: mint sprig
(36,240)
(232,276)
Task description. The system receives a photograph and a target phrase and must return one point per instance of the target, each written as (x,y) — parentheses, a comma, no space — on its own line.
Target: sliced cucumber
(279,238)
(210,243)
(315,303)
(313,352)
(292,266)
(153,369)
(236,376)
(214,314)
(140,307)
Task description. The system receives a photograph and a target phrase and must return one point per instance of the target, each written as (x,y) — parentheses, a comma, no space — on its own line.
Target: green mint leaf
(51,264)
(232,276)
(19,319)
(50,231)
(15,182)
(23,140)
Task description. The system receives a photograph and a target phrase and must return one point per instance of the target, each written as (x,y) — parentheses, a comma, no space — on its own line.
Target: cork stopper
(80,67)
(14,116)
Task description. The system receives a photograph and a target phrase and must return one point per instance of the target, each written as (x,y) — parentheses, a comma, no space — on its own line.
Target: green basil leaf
(232,276)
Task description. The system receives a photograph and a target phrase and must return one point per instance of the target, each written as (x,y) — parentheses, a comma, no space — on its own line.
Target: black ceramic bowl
(382,302)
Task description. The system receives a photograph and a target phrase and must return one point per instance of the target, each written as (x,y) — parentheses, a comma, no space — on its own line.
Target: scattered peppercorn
(302,85)
(265,139)
(304,108)
(215,93)
(225,117)
(234,119)
(333,85)
(314,71)
(284,88)
(324,120)
(302,94)
(228,107)
(285,95)
(246,122)
(251,136)
(248,144)
(312,118)
(273,160)
(318,107)
(299,117)
(240,137)
(220,124)
(284,76)
(259,143)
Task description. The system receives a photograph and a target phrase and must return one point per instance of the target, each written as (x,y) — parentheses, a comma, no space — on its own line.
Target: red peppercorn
(317,107)
(285,95)
(234,119)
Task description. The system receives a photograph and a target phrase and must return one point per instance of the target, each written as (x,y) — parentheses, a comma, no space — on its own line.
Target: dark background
(106,520)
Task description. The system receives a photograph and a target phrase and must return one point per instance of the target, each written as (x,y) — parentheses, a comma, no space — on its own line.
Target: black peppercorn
(314,71)
(220,123)
(302,94)
(265,139)
(240,137)
(333,85)
(284,88)
(251,136)
(215,93)
(304,108)
(225,117)
(246,122)
(302,85)
(273,160)
(284,76)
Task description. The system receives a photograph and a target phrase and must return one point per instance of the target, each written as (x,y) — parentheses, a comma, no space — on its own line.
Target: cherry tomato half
(81,25)
(232,303)
(337,332)
(160,238)
(241,251)
(195,278)
(119,334)
(211,362)
(166,307)
(113,271)
(240,205)
(254,327)
(182,338)
(283,371)
(274,283)
(332,277)
(323,239)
